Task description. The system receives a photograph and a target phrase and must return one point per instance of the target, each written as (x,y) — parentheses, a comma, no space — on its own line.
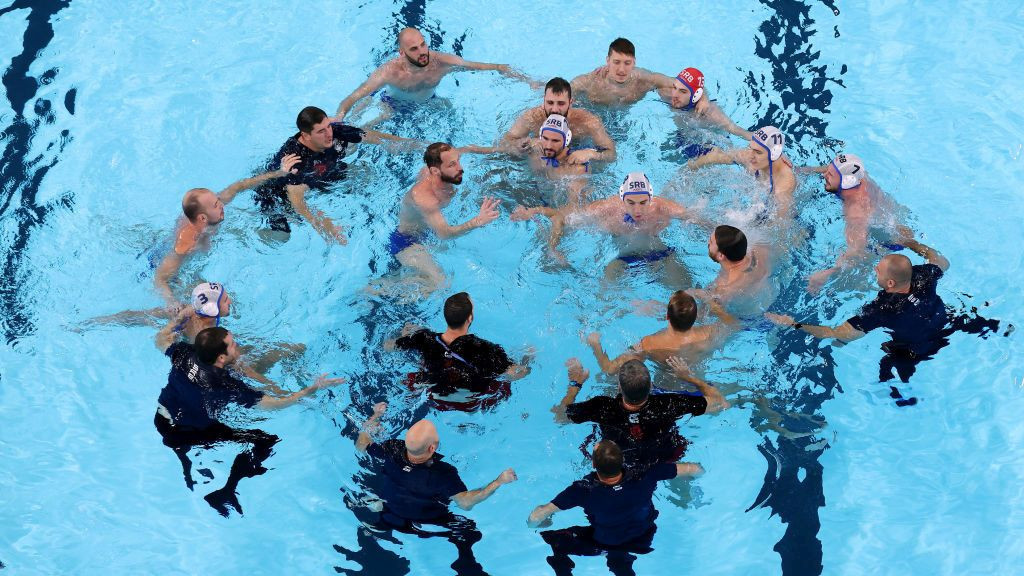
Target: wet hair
(211,343)
(732,242)
(308,118)
(457,309)
(191,206)
(607,459)
(682,311)
(432,157)
(622,46)
(559,85)
(634,381)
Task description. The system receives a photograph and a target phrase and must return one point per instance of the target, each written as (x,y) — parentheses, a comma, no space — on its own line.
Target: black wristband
(797,325)
(575,383)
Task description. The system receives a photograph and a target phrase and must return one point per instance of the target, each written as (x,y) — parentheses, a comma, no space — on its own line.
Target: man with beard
(420,213)
(415,72)
(558,100)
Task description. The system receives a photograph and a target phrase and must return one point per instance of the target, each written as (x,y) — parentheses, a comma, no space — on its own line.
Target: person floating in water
(455,360)
(200,387)
(415,73)
(765,160)
(680,338)
(416,486)
(321,145)
(558,100)
(203,212)
(619,82)
(865,205)
(907,306)
(618,502)
(420,214)
(743,284)
(642,423)
(635,218)
(689,97)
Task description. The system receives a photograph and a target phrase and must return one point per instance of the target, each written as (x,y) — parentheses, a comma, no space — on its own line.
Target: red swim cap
(694,81)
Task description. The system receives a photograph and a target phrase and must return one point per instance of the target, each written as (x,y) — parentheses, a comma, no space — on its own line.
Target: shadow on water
(22,173)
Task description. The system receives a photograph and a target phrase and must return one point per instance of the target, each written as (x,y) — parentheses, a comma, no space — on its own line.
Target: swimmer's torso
(416,85)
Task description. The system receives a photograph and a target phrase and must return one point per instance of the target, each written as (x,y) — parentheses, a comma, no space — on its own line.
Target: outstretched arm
(609,366)
(162,278)
(715,156)
(167,335)
(577,376)
(503,69)
(288,163)
(541,514)
(320,222)
(714,115)
(434,219)
(279,402)
(466,500)
(844,331)
(716,402)
(374,82)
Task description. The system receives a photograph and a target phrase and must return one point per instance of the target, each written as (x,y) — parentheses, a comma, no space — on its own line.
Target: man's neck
(610,481)
(451,334)
(852,193)
(417,459)
(905,289)
(634,407)
(735,269)
(308,143)
(441,190)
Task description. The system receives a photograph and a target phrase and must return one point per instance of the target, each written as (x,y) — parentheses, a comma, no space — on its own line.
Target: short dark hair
(607,459)
(559,85)
(622,46)
(457,309)
(211,343)
(432,157)
(190,205)
(308,118)
(682,311)
(732,242)
(634,381)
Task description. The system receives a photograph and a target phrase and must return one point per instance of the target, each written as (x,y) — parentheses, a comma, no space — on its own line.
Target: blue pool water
(114,109)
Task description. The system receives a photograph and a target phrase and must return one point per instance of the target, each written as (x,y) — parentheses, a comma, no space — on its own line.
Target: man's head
(557,97)
(607,459)
(315,130)
(458,311)
(688,88)
(634,382)
(202,207)
(894,273)
(209,299)
(766,146)
(682,311)
(421,440)
(216,346)
(413,46)
(442,160)
(845,172)
(637,195)
(621,60)
(727,244)
(554,135)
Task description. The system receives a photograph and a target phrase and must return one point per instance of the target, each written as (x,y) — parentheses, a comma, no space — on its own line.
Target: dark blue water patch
(22,174)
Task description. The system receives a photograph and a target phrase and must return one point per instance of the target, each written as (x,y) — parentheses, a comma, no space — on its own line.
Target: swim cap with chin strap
(850,169)
(771,140)
(558,124)
(206,300)
(635,183)
(693,79)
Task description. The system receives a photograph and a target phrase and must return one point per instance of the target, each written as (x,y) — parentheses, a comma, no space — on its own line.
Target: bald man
(415,72)
(203,212)
(417,486)
(907,306)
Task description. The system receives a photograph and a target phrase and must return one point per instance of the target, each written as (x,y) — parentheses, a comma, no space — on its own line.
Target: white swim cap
(557,123)
(851,170)
(206,299)
(771,140)
(635,183)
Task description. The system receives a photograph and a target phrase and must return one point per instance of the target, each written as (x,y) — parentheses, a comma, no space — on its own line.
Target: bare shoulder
(579,116)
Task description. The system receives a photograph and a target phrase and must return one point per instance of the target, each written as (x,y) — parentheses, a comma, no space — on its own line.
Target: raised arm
(433,217)
(287,167)
(715,156)
(167,335)
(320,222)
(466,500)
(369,427)
(931,255)
(377,79)
(577,376)
(279,402)
(609,366)
(716,402)
(713,114)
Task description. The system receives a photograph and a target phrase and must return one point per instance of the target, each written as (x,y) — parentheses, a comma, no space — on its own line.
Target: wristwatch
(575,383)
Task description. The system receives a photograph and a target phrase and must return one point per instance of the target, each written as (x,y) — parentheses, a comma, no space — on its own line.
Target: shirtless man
(680,338)
(619,82)
(635,219)
(863,205)
(415,72)
(204,211)
(420,213)
(687,94)
(764,159)
(744,276)
(558,100)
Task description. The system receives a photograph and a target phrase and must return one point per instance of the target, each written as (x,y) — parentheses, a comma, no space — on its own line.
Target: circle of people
(640,444)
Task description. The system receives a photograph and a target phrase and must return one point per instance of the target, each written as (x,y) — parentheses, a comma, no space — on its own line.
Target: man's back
(914,320)
(468,362)
(196,393)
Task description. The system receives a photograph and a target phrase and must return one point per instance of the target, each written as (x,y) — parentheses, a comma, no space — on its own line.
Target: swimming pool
(125,107)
